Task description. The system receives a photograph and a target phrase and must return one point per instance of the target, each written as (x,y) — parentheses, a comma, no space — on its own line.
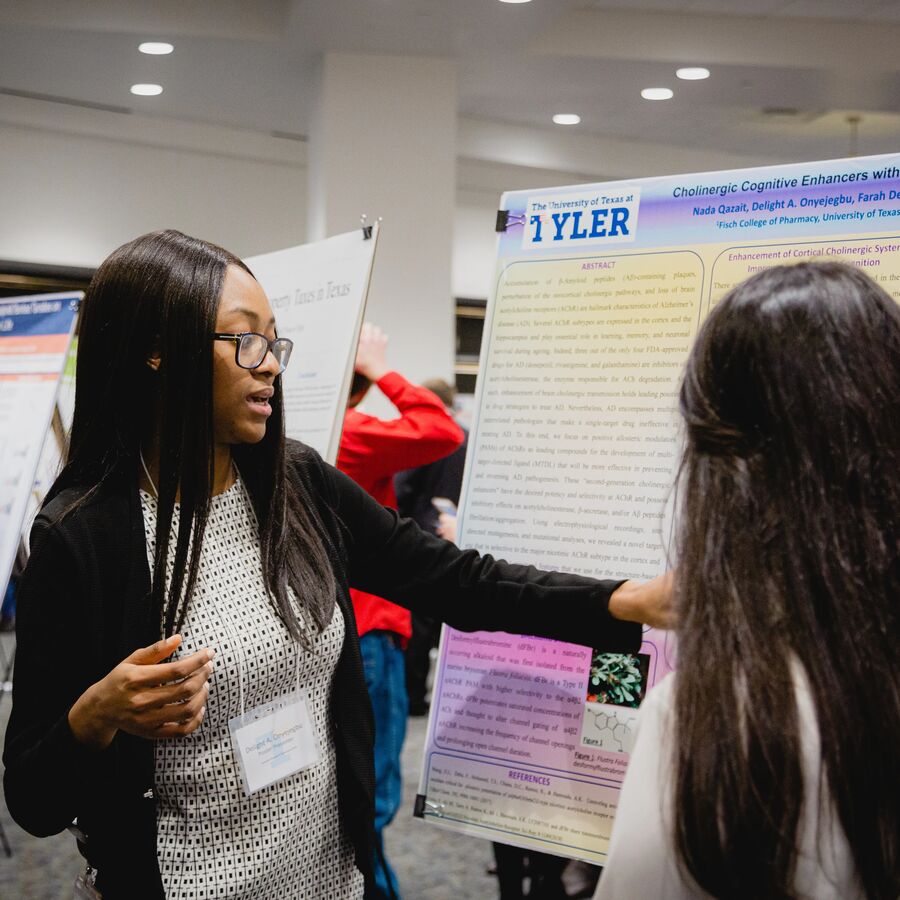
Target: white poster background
(32,366)
(318,294)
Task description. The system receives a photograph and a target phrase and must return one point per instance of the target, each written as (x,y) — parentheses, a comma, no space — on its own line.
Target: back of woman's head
(789,558)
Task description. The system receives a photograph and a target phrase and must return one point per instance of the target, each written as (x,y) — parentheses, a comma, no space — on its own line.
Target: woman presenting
(188,681)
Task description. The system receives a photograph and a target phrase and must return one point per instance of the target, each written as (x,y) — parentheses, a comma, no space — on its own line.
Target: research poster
(599,293)
(318,294)
(35,333)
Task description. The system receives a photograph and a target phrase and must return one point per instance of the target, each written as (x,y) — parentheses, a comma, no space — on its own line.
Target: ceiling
(786,74)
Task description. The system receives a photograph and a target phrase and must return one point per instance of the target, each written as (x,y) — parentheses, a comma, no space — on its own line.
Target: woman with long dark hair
(184,526)
(767,764)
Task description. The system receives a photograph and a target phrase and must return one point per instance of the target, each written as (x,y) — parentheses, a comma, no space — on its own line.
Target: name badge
(274,740)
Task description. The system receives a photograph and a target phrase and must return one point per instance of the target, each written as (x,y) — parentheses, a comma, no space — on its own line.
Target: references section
(548,812)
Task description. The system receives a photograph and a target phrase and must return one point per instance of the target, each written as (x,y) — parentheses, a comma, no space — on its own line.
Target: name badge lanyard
(240,654)
(275,739)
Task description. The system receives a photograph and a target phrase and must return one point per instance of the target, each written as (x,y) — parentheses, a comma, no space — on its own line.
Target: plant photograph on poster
(619,679)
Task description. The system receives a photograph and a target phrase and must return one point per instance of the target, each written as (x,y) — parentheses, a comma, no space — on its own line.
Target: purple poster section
(599,294)
(523,747)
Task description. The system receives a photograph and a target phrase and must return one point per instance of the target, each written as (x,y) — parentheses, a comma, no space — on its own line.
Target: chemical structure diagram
(609,727)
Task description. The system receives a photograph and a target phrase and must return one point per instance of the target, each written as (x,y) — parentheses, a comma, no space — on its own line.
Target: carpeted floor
(432,863)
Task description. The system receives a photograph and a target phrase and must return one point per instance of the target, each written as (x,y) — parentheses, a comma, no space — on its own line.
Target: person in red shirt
(372,451)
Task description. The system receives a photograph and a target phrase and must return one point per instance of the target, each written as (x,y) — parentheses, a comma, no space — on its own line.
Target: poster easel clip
(366,228)
(423,805)
(505,219)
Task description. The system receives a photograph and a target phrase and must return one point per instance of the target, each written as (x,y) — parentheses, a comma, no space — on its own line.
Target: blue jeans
(8,607)
(386,680)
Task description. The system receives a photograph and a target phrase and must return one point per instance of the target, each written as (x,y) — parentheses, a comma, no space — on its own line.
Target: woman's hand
(145,696)
(649,602)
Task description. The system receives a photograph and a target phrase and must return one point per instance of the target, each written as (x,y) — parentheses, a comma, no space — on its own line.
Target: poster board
(599,292)
(35,333)
(318,294)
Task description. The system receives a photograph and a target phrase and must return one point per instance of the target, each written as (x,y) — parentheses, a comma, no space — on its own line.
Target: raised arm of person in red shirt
(372,448)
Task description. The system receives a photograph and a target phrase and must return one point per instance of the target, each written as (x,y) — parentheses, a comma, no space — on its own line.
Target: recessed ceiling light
(566,118)
(515,1)
(657,94)
(155,48)
(692,73)
(146,90)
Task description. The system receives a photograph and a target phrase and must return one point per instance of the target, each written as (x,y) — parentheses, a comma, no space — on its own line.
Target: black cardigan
(83,608)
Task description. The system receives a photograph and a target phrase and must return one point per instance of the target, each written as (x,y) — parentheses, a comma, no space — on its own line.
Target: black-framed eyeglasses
(251,349)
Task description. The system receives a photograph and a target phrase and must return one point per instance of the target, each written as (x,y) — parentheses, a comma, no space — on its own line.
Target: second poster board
(318,294)
(35,333)
(600,290)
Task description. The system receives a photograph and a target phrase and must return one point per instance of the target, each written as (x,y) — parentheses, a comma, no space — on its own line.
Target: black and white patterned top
(213,841)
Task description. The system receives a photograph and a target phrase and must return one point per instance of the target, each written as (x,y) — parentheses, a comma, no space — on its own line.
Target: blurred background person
(372,451)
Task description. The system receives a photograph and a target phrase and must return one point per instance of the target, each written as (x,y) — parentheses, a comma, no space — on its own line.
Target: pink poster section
(530,739)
